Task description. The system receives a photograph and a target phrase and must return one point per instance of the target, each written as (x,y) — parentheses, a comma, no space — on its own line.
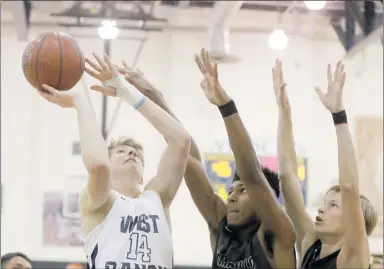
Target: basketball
(55,59)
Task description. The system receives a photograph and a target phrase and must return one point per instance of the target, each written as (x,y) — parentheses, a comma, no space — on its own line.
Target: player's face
(125,159)
(18,263)
(239,209)
(328,220)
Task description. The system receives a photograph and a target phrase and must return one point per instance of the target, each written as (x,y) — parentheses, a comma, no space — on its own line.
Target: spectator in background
(377,262)
(74,266)
(15,260)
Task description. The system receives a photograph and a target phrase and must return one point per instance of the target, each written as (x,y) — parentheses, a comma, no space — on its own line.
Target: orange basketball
(54,59)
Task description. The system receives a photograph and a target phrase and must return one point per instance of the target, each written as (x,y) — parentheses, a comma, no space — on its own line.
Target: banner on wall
(61,220)
(220,168)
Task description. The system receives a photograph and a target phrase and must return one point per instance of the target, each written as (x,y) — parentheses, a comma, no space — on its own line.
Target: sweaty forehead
(124,147)
(236,184)
(332,195)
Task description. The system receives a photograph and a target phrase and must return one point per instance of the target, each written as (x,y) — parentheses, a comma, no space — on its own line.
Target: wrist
(228,109)
(79,100)
(157,98)
(126,91)
(340,117)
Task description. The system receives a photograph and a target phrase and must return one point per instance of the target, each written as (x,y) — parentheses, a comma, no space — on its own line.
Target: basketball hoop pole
(107,51)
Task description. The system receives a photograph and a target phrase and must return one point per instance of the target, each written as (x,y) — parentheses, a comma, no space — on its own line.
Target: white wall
(37,136)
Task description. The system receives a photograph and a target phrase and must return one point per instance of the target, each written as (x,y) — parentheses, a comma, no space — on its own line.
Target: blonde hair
(127,141)
(369,212)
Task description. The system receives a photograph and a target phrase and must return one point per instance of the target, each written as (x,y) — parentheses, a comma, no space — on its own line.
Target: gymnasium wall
(37,137)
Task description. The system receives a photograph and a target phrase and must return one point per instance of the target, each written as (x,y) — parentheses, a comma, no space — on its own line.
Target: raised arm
(93,147)
(174,159)
(355,250)
(247,165)
(287,167)
(211,206)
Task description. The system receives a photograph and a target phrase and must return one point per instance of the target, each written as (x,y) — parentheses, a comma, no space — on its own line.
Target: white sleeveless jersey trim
(135,231)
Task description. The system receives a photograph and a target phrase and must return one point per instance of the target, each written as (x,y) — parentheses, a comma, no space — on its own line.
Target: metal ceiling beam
(371,27)
(109,10)
(133,28)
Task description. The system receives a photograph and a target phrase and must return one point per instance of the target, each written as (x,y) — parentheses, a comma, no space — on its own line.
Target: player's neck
(127,184)
(128,191)
(329,244)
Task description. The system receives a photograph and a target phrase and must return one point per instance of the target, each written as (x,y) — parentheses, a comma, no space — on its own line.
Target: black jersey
(233,253)
(311,259)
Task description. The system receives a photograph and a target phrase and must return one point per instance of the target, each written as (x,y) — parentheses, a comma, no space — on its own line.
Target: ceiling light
(315,5)
(108,29)
(278,40)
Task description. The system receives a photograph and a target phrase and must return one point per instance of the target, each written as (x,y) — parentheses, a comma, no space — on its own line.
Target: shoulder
(310,251)
(87,208)
(358,256)
(152,197)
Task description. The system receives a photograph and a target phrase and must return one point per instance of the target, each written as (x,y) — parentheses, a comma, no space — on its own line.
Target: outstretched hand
(140,82)
(279,86)
(103,70)
(210,84)
(64,99)
(333,98)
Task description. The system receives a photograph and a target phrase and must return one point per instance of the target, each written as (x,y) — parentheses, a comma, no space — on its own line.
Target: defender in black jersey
(251,230)
(339,236)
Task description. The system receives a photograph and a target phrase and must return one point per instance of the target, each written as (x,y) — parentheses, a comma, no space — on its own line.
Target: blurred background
(41,167)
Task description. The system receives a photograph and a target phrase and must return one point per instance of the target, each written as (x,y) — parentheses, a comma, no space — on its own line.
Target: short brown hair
(369,212)
(127,141)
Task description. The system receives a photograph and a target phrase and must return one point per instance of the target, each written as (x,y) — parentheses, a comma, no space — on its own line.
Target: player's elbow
(287,232)
(182,142)
(349,185)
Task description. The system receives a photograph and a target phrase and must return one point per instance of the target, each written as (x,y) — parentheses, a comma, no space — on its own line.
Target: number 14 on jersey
(138,246)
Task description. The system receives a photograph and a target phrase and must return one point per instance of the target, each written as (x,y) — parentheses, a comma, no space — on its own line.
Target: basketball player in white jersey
(124,227)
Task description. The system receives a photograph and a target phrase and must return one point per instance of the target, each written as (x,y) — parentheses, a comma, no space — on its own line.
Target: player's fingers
(207,62)
(51,90)
(340,73)
(47,96)
(281,70)
(215,72)
(93,64)
(132,81)
(121,70)
(139,71)
(329,75)
(336,74)
(100,61)
(126,65)
(343,80)
(200,64)
(109,91)
(277,67)
(109,63)
(91,72)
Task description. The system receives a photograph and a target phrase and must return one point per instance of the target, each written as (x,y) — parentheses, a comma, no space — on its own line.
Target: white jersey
(135,234)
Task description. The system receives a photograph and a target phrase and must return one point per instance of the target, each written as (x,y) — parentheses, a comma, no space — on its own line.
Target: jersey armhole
(153,197)
(307,255)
